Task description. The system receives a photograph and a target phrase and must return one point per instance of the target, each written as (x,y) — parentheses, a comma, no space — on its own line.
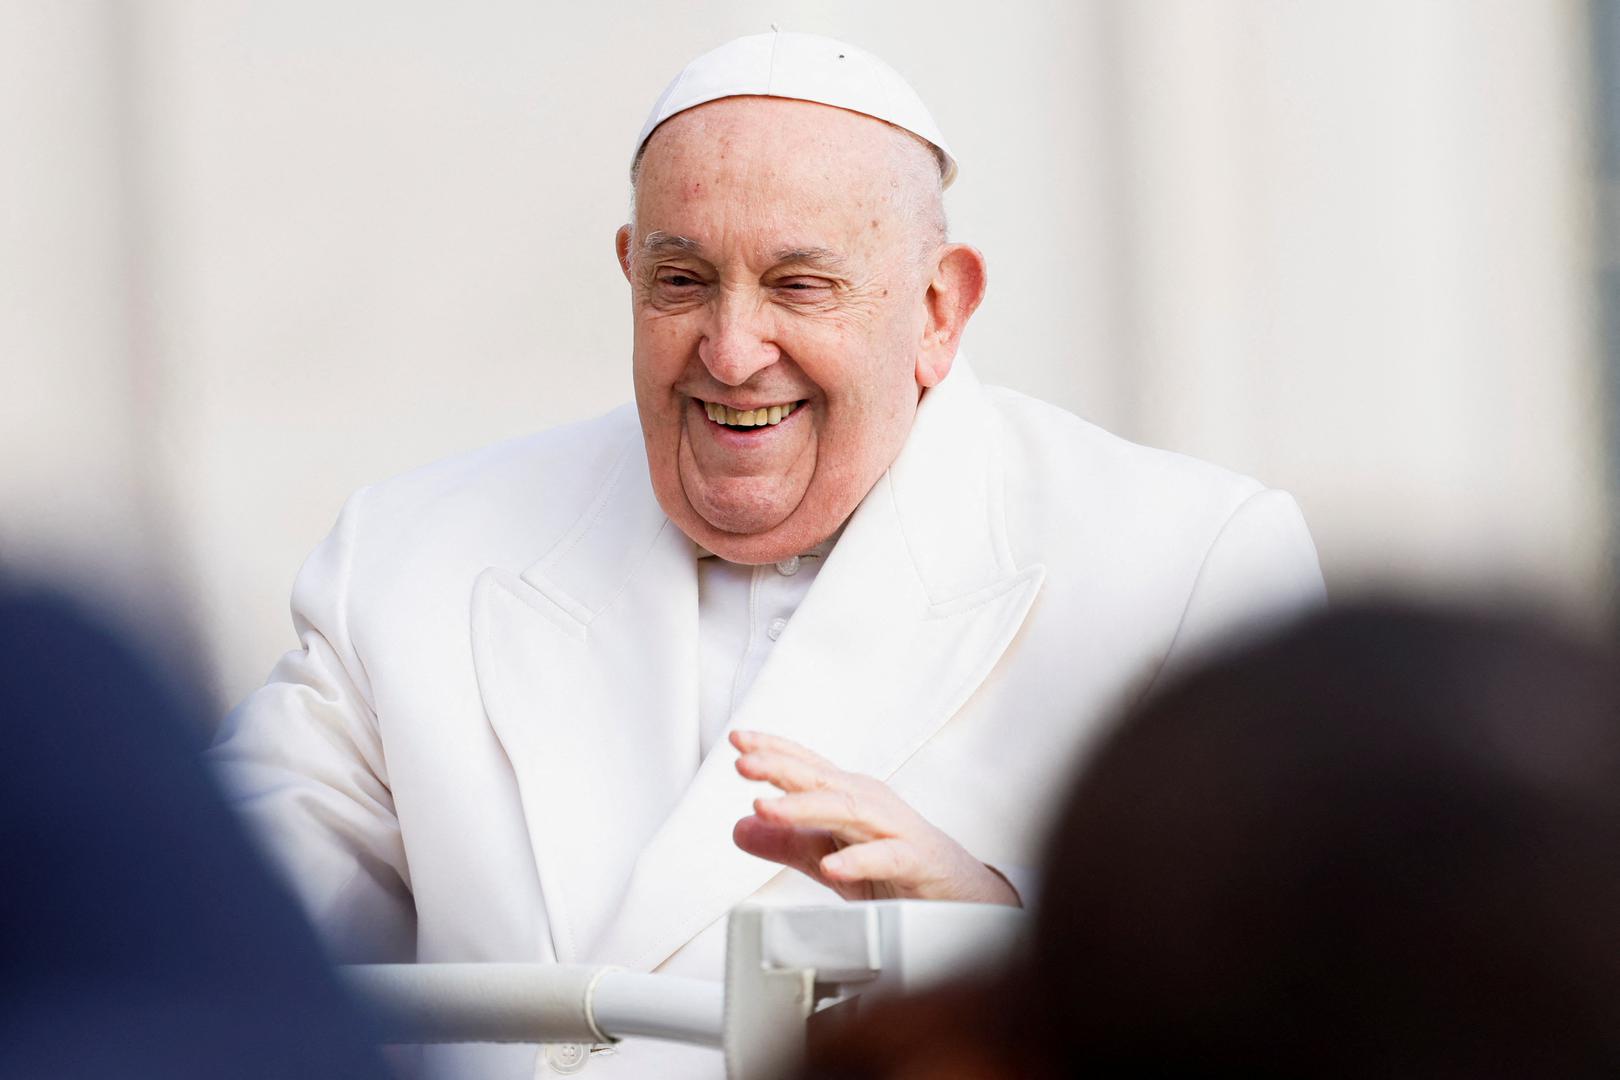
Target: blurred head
(1384,844)
(792,296)
(1388,843)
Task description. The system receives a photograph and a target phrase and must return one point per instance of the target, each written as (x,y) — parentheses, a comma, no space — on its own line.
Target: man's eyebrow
(819,256)
(658,242)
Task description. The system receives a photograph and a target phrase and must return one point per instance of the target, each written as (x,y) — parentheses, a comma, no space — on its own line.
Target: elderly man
(540,686)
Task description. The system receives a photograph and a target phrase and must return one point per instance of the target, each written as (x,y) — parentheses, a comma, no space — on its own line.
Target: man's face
(777,268)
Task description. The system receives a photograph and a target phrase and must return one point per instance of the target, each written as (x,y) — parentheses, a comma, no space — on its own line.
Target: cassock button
(788,566)
(565,1058)
(774,630)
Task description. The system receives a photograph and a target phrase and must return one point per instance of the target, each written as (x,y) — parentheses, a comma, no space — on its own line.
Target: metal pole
(534,1003)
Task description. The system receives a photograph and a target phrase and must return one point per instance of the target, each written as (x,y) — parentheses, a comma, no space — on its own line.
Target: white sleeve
(1260,573)
(302,760)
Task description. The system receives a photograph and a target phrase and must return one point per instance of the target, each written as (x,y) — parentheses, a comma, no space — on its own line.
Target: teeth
(762,417)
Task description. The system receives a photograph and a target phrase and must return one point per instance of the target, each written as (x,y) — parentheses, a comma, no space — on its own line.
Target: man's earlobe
(621,245)
(953,296)
(933,364)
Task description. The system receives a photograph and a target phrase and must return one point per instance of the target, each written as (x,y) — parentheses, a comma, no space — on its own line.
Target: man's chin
(751,538)
(745,521)
(732,541)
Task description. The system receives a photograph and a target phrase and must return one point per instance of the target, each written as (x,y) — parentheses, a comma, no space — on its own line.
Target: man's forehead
(789,173)
(707,137)
(770,181)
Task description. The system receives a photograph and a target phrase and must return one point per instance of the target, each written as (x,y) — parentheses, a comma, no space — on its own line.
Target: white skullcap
(807,67)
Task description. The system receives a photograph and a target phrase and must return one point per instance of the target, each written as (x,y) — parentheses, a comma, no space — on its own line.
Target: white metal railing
(534,1003)
(782,965)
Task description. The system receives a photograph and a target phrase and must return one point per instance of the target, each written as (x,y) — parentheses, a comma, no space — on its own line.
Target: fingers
(890,860)
(750,741)
(820,796)
(853,812)
(786,772)
(898,867)
(888,849)
(801,849)
(785,763)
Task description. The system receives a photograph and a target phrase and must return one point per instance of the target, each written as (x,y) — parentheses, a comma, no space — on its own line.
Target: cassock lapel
(916,604)
(587,665)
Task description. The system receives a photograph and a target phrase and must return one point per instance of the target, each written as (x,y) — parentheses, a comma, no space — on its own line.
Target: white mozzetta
(485,747)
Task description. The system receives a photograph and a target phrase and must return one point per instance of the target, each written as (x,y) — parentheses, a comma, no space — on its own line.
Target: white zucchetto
(806,67)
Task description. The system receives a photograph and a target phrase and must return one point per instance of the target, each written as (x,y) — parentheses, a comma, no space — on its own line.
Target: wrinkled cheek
(685,462)
(658,352)
(663,348)
(695,487)
(677,447)
(663,428)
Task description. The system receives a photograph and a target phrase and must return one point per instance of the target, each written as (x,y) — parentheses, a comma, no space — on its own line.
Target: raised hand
(851,833)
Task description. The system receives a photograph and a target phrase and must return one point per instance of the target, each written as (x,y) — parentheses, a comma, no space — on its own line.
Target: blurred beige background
(257,253)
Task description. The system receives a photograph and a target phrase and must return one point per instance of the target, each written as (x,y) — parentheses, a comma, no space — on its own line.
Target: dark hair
(1387,842)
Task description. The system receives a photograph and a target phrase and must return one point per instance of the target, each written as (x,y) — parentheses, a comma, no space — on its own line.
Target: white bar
(660,1007)
(506,1003)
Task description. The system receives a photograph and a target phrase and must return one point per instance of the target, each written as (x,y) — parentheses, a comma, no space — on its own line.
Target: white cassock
(488,747)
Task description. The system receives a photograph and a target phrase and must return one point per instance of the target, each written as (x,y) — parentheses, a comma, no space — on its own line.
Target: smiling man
(821,614)
(788,259)
(794,298)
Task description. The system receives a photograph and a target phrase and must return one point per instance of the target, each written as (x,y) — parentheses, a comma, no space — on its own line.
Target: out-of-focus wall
(75,446)
(1361,241)
(257,253)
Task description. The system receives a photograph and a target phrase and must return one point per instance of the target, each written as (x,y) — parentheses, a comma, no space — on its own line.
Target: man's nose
(738,342)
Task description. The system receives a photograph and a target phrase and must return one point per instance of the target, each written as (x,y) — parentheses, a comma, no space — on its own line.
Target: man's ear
(952,298)
(621,244)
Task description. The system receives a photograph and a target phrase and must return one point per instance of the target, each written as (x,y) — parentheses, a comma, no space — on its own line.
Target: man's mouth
(744,419)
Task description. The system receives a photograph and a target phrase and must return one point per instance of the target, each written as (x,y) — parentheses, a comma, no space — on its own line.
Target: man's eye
(804,285)
(678,281)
